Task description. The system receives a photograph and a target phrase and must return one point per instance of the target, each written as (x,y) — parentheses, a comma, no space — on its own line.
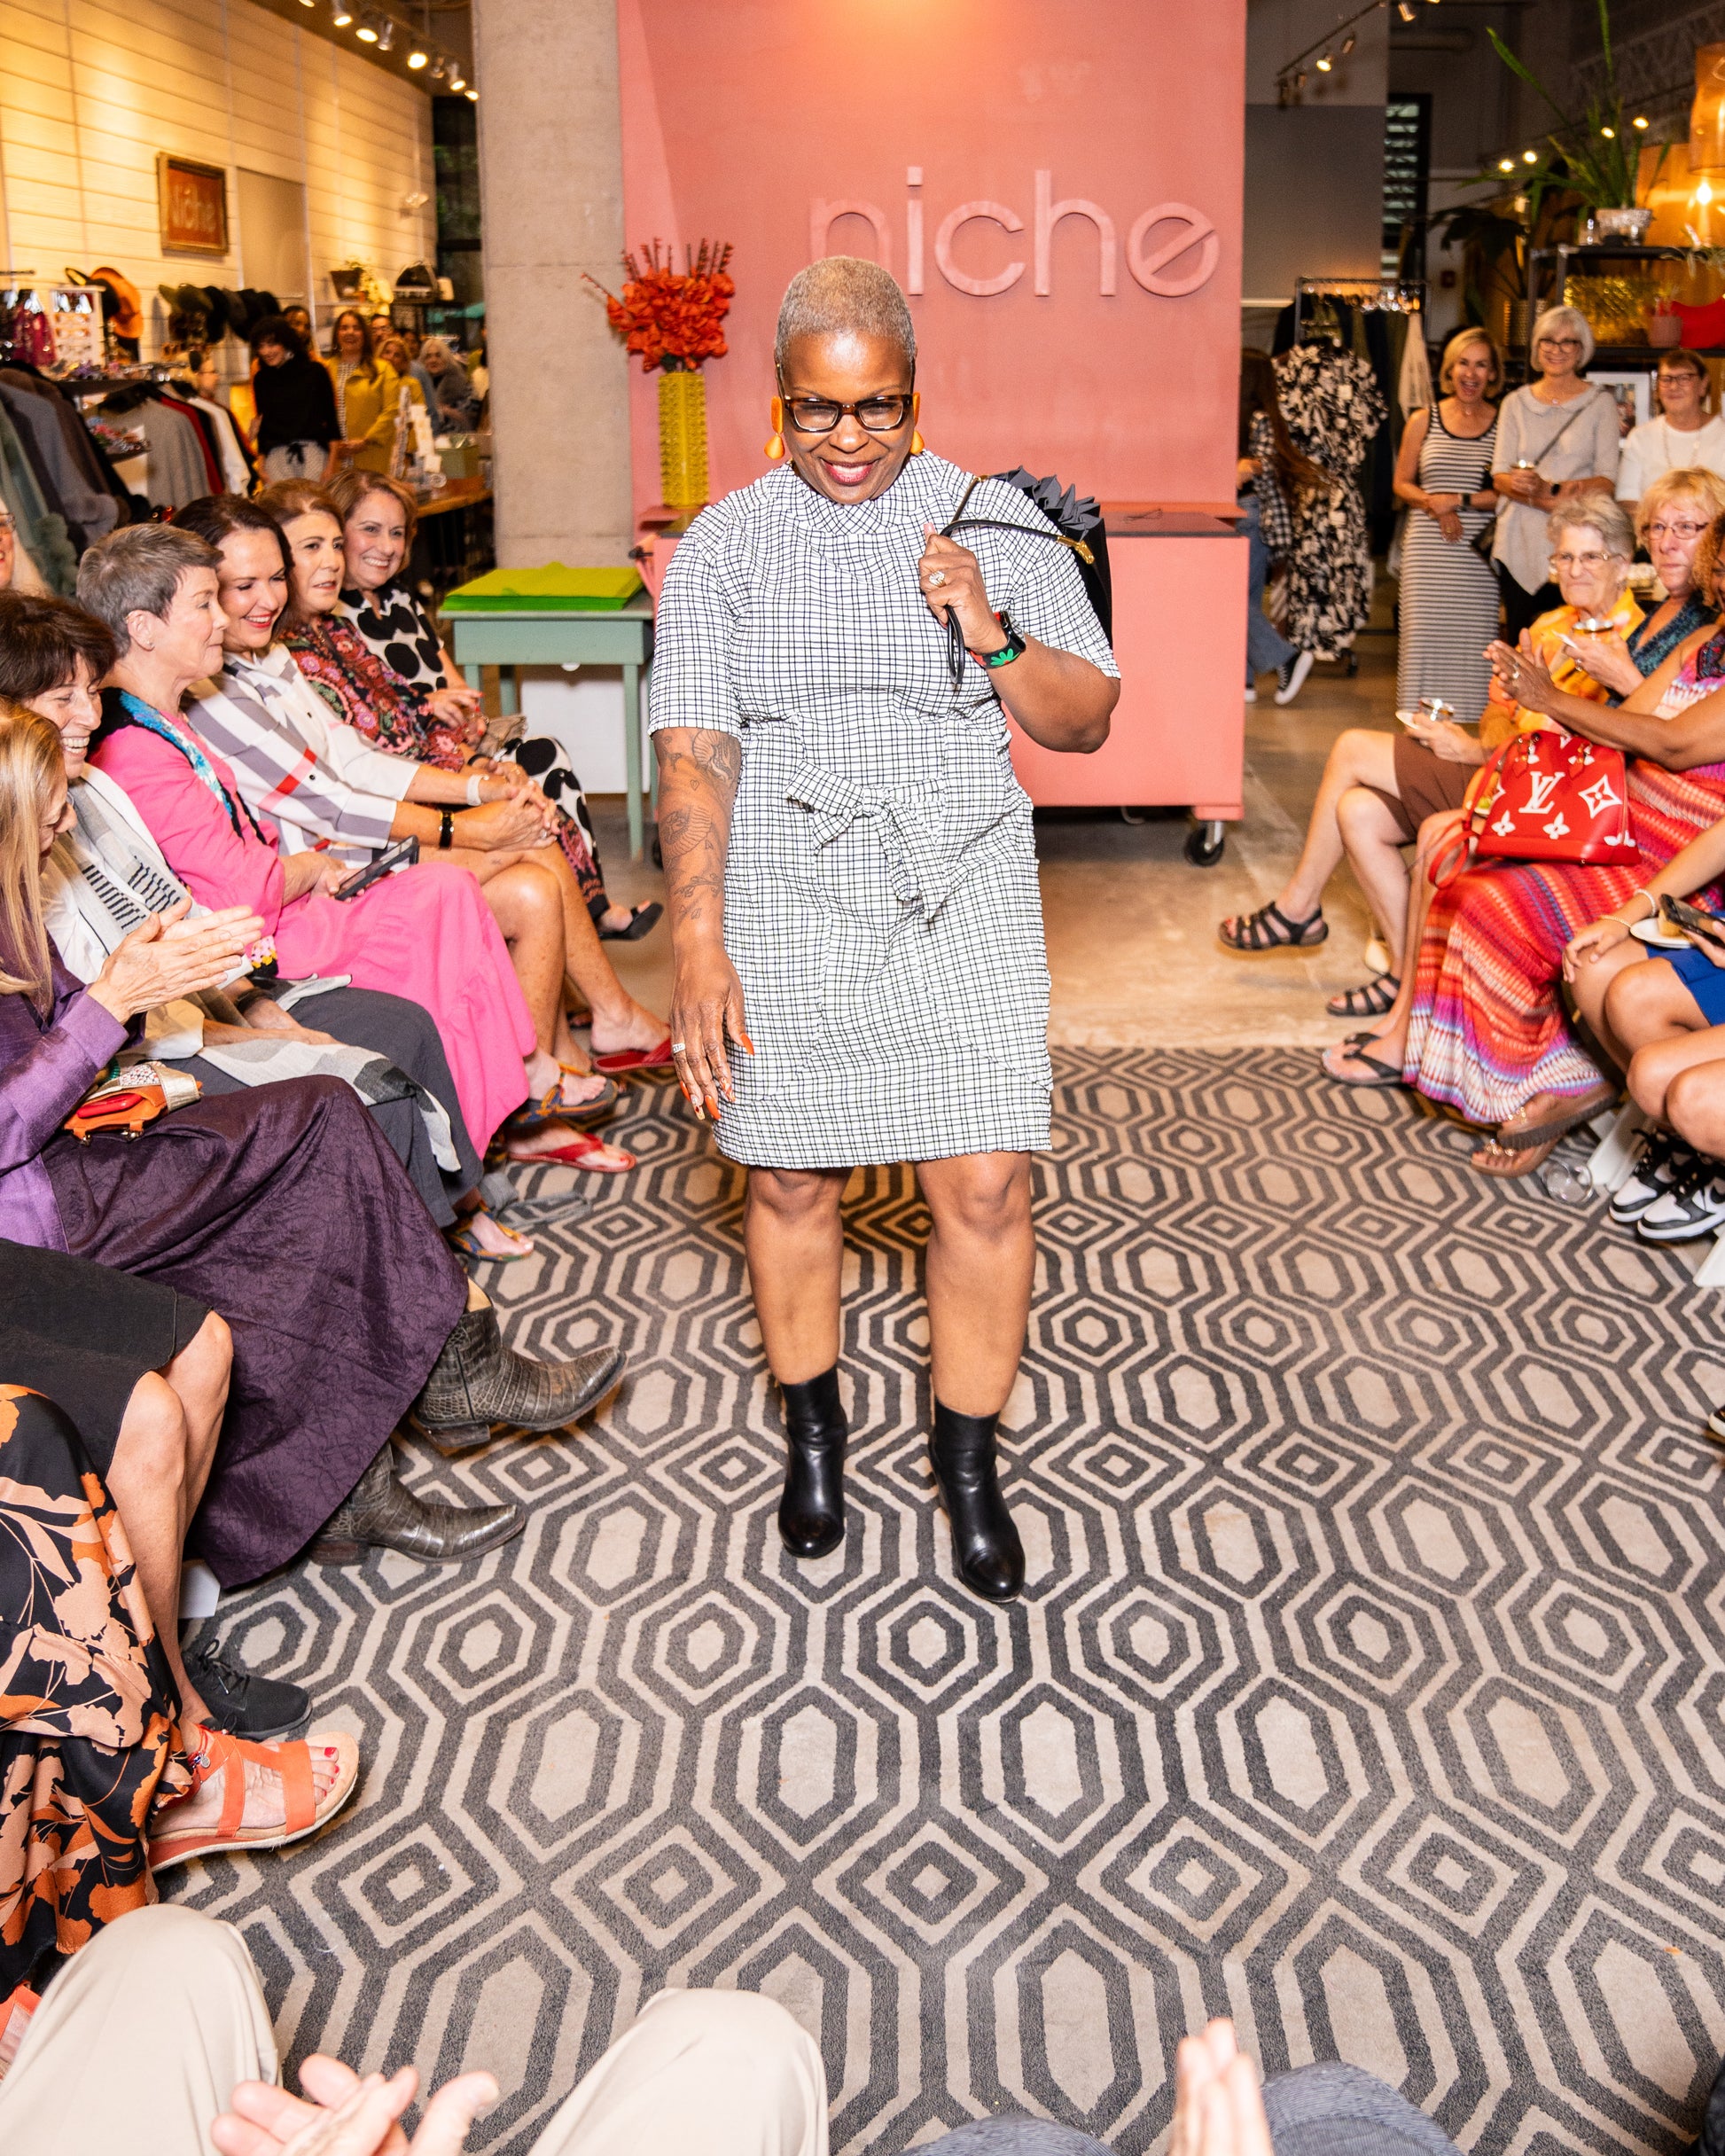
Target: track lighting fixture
(367,32)
(1530,157)
(343,14)
(386,32)
(417,58)
(1348,43)
(1506,164)
(1610,134)
(1326,63)
(473,97)
(1405,9)
(1640,119)
(457,80)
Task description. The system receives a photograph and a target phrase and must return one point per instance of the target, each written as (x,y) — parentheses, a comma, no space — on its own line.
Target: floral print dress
(1334,408)
(89,1738)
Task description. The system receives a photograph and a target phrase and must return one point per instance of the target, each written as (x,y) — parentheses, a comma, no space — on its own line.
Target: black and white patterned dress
(881,901)
(1448,597)
(1334,408)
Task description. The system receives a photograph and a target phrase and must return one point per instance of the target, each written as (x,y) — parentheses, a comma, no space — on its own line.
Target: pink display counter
(1178,738)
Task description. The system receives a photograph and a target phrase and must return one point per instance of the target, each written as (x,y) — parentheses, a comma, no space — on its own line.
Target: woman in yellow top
(368,393)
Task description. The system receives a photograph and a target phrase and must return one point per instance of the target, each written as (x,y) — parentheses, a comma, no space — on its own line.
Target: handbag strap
(1581,404)
(1463,842)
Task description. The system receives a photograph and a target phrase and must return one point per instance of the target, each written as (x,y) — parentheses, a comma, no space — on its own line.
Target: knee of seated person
(212,1346)
(732,2018)
(1634,995)
(152,1430)
(1352,743)
(171,1949)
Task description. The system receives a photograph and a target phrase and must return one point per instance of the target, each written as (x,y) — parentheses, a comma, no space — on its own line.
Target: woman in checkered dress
(856,928)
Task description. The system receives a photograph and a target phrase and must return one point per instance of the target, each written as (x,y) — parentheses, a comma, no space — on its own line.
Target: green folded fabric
(556,589)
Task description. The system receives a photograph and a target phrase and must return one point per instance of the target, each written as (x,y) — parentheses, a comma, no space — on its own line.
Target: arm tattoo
(698,774)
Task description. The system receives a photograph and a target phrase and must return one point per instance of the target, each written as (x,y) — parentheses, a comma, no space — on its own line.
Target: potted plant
(1597,152)
(672,319)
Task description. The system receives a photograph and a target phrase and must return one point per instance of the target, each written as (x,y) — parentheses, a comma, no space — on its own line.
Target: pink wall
(738,115)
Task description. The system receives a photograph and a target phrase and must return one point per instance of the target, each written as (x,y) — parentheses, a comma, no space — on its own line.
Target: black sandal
(641,919)
(1382,1074)
(1254,934)
(1372,1001)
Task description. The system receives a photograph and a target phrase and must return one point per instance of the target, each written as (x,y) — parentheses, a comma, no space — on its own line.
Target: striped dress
(1488,1031)
(1449,595)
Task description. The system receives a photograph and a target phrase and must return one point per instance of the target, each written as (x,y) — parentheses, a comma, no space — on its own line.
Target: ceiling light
(1326,64)
(1609,133)
(367,32)
(1348,43)
(386,32)
(1405,9)
(473,97)
(417,58)
(1530,157)
(1506,164)
(343,15)
(1640,119)
(458,81)
(440,67)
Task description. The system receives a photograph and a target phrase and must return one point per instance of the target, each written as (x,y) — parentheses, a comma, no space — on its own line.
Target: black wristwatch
(1013,648)
(446,829)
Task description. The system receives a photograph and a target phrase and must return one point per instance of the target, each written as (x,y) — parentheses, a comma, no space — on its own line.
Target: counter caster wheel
(1205,842)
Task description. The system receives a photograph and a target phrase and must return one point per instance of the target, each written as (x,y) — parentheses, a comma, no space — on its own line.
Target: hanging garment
(81,446)
(1332,408)
(236,469)
(89,513)
(200,426)
(41,532)
(1413,387)
(177,472)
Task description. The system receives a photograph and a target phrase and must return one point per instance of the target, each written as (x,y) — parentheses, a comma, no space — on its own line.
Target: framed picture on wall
(1634,392)
(192,202)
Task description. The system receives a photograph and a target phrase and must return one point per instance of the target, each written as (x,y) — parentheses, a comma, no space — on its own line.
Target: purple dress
(282,1208)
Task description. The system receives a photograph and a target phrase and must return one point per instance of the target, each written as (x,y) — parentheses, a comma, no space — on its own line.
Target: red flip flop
(620,1063)
(579,1153)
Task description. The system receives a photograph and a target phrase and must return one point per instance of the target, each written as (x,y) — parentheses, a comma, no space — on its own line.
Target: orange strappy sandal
(304,1815)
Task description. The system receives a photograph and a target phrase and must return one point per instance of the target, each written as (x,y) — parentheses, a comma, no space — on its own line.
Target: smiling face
(1471,372)
(1557,355)
(76,708)
(1681,391)
(1590,578)
(315,542)
(847,462)
(375,540)
(253,589)
(349,336)
(271,353)
(188,637)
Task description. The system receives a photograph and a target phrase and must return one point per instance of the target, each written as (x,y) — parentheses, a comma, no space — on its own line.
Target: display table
(518,638)
(1178,737)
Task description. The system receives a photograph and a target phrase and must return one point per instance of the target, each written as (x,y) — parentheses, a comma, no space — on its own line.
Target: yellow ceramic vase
(682,437)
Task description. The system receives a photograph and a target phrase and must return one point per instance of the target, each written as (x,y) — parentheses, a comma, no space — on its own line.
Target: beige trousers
(141,2038)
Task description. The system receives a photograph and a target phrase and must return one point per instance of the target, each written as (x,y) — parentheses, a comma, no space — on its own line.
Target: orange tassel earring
(917,445)
(773,450)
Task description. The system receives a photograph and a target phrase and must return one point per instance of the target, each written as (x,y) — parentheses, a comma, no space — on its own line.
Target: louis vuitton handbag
(1545,796)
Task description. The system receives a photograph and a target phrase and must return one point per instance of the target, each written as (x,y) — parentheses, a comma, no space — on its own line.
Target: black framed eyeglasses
(821,415)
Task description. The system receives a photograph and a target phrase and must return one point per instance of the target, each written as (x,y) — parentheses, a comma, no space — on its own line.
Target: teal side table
(519,639)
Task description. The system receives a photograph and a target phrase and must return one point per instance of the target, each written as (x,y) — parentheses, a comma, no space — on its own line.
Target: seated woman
(379,705)
(106,875)
(280,1204)
(1378,790)
(329,789)
(100,1754)
(1485,1032)
(379,519)
(427,937)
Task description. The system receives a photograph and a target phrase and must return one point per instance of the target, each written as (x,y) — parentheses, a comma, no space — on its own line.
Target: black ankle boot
(811,1513)
(985,1543)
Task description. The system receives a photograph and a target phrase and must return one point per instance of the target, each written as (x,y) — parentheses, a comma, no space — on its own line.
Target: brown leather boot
(380,1512)
(477,1382)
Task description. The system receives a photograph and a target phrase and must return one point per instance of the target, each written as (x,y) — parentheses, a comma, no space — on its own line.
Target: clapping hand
(348,2116)
(170,955)
(1605,656)
(1218,2107)
(1523,676)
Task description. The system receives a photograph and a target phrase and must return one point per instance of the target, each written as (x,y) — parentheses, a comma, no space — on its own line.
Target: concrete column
(552,181)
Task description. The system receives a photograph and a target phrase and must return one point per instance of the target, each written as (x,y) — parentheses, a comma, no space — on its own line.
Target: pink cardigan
(425,933)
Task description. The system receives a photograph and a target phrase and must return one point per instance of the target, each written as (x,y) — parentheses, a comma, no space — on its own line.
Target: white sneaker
(1291,676)
(1251,692)
(1662,1163)
(1692,1207)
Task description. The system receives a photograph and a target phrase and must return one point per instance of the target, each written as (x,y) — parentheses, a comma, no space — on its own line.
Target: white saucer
(1656,938)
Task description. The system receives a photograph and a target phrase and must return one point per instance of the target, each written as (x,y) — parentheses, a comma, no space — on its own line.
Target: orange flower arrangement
(672,317)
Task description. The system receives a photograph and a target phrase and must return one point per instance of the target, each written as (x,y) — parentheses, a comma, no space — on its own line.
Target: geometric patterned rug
(1370,1685)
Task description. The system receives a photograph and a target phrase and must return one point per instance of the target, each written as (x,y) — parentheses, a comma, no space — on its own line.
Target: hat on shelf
(126,318)
(216,309)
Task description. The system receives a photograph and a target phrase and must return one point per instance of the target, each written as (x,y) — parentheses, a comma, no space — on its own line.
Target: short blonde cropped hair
(1464,340)
(1564,322)
(1682,483)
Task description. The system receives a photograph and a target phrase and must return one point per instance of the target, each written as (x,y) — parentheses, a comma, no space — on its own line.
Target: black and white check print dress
(881,901)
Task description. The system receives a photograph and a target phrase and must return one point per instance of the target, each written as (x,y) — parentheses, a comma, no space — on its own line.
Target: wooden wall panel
(91,90)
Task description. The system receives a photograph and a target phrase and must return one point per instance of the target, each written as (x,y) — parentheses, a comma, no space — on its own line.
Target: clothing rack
(1394,295)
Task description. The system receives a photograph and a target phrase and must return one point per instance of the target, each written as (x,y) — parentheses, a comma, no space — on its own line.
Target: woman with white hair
(1557,438)
(857,932)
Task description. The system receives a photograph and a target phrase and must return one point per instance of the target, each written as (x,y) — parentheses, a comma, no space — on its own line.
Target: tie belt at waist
(907,820)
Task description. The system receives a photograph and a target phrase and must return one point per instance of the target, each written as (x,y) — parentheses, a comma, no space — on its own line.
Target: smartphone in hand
(401,855)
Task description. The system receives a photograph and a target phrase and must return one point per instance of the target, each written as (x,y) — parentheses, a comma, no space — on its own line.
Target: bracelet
(446,829)
(475,781)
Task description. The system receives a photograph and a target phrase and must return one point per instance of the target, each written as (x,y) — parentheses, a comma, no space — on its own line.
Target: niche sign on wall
(1056,186)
